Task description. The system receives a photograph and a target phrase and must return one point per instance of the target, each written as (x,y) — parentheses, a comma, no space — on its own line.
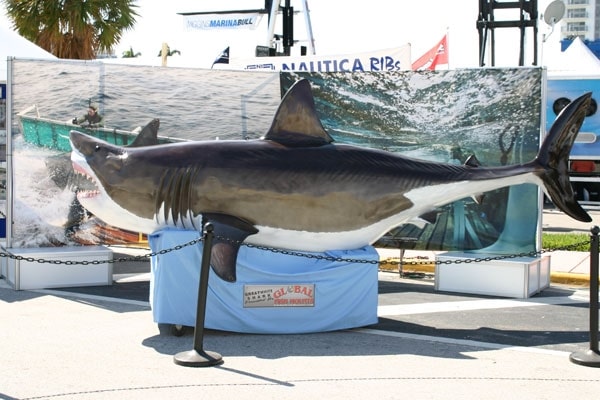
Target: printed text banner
(221,21)
(387,60)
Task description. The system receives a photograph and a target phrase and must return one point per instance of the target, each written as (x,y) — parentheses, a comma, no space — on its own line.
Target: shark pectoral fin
(229,233)
(223,258)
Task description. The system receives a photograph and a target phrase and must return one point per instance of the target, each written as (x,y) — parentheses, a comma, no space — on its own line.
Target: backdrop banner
(444,116)
(384,60)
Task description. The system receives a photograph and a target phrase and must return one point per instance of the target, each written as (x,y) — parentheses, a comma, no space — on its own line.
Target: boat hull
(54,134)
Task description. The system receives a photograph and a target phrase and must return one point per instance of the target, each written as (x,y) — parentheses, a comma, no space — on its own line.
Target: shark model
(295,189)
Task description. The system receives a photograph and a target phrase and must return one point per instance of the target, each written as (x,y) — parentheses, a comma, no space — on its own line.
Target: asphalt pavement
(102,343)
(426,345)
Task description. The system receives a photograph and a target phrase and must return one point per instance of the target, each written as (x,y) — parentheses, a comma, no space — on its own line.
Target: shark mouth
(84,183)
(94,198)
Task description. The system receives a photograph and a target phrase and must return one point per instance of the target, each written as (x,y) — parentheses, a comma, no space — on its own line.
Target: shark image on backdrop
(295,189)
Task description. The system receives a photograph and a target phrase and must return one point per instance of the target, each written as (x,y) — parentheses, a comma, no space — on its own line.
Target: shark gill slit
(175,196)
(176,193)
(162,195)
(185,199)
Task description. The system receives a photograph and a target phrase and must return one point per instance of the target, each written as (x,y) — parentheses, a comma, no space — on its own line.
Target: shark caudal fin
(554,158)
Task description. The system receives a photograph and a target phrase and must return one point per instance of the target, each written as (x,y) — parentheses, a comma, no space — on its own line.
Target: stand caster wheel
(171,329)
(177,330)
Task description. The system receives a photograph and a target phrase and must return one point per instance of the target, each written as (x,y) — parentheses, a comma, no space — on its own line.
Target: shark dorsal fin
(148,136)
(296,123)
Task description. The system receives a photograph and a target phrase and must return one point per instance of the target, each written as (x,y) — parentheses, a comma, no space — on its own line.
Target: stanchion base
(192,358)
(588,358)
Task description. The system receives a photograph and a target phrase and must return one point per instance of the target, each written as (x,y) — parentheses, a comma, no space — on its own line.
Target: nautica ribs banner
(386,60)
(221,21)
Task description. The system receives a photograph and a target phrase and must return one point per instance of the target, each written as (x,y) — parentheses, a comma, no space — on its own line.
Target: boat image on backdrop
(54,134)
(295,189)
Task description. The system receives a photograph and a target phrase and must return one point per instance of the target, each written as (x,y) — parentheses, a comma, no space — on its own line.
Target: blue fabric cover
(345,293)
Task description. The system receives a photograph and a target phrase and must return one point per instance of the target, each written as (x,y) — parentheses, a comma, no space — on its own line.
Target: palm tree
(130,53)
(169,52)
(75,29)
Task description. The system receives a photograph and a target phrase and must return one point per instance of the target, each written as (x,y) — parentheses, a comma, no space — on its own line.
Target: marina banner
(386,60)
(222,21)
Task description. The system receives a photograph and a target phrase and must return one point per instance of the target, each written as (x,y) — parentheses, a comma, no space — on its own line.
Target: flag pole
(448,45)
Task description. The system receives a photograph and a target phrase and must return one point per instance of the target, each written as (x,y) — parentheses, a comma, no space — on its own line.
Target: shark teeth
(84,184)
(87,193)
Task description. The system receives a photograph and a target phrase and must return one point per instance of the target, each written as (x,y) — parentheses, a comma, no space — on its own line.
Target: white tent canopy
(14,45)
(577,59)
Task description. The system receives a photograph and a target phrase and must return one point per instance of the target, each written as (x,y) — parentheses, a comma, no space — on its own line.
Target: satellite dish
(554,12)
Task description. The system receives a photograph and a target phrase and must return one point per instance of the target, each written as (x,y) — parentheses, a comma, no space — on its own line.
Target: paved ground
(555,221)
(101,343)
(427,345)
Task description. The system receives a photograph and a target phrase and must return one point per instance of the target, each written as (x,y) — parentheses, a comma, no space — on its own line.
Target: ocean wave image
(442,116)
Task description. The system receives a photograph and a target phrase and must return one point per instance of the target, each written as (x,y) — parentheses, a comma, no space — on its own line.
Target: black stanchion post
(591,357)
(198,357)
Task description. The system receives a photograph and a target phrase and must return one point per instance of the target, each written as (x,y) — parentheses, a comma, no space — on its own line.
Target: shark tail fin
(553,158)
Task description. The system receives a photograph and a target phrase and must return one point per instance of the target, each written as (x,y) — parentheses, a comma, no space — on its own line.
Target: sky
(339,27)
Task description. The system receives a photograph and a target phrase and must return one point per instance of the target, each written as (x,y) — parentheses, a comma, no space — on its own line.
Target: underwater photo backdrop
(442,116)
(445,116)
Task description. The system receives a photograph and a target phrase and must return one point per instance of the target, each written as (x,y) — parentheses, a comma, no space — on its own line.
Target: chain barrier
(142,258)
(147,257)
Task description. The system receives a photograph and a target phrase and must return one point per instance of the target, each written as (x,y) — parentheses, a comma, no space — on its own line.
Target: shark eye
(97,148)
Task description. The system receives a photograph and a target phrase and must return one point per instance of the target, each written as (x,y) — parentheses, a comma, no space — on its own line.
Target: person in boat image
(92,119)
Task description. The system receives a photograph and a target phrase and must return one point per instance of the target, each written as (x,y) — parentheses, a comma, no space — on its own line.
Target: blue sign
(560,93)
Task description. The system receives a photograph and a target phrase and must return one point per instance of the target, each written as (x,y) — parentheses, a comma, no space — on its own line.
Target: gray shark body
(295,189)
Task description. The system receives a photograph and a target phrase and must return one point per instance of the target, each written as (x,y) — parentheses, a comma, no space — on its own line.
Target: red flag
(437,55)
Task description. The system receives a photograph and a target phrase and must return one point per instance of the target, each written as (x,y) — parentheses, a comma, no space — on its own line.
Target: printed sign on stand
(284,295)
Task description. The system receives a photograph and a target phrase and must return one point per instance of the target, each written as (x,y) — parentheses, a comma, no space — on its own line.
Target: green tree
(169,52)
(130,53)
(75,29)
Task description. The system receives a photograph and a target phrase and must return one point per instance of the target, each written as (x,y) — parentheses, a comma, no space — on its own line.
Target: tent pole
(9,153)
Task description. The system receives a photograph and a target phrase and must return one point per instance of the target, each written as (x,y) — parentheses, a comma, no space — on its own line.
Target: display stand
(29,274)
(519,277)
(274,292)
(591,356)
(3,260)
(198,357)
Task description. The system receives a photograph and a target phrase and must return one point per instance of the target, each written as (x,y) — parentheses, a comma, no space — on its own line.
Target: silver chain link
(142,258)
(147,257)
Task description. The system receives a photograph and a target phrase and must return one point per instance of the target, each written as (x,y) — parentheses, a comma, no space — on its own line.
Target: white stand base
(26,275)
(3,260)
(514,277)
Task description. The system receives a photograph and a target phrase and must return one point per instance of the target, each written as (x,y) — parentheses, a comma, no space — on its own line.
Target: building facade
(581,19)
